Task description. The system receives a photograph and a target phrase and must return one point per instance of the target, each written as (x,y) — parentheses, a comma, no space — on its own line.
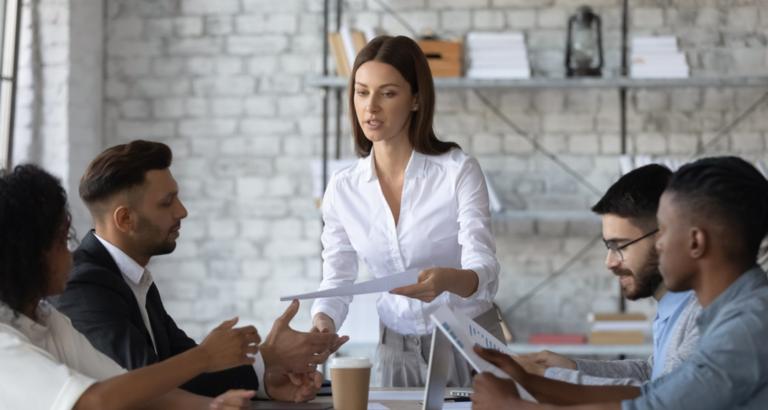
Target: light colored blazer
(682,341)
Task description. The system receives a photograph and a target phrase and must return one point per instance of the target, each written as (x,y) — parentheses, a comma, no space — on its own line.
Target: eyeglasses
(614,247)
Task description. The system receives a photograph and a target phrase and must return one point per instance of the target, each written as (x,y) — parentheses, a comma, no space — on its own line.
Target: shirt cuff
(259,367)
(329,307)
(482,283)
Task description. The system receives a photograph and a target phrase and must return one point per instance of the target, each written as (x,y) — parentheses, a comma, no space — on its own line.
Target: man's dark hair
(731,192)
(636,194)
(121,167)
(33,213)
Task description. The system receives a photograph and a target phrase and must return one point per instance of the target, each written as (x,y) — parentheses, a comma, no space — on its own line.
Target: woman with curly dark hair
(46,363)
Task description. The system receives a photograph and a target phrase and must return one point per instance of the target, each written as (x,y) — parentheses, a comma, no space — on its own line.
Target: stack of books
(657,57)
(345,44)
(497,55)
(618,328)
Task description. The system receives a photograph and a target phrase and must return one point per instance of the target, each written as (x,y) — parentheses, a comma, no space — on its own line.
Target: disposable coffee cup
(350,377)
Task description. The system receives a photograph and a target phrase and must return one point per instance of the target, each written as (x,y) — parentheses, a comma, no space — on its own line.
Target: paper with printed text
(383,284)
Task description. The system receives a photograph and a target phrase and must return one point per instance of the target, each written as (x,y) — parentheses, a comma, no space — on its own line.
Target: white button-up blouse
(444,222)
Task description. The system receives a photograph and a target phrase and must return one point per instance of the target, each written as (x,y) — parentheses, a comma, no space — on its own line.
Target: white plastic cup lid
(350,363)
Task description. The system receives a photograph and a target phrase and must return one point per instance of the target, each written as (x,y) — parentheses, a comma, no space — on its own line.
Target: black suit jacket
(104,309)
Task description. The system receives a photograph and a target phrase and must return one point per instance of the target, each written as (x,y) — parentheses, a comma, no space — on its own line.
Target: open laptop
(437,373)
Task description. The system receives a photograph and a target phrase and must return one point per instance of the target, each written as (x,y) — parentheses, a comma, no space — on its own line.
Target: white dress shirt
(46,364)
(444,222)
(140,280)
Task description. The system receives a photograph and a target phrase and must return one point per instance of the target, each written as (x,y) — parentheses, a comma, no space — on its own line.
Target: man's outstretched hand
(288,350)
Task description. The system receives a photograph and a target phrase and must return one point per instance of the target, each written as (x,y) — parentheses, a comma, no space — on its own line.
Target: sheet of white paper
(395,395)
(377,406)
(383,284)
(464,333)
(457,405)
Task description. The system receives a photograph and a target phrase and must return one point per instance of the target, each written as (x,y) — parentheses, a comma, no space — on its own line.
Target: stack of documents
(657,57)
(497,55)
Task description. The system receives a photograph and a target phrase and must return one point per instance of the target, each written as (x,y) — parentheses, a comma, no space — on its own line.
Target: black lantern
(584,48)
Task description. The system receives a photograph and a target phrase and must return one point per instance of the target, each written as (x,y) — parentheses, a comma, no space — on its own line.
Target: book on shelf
(557,339)
(618,328)
(617,338)
(339,55)
(594,317)
(344,45)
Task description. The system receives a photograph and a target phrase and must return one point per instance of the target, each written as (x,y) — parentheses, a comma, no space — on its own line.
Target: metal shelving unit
(566,83)
(333,87)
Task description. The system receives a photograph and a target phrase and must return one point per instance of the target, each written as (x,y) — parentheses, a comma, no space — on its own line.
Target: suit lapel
(92,251)
(156,312)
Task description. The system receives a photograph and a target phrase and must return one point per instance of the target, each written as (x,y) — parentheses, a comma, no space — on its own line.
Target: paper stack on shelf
(657,57)
(497,55)
(618,328)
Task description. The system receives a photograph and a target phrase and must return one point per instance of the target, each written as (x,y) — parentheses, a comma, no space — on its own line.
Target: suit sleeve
(103,315)
(208,384)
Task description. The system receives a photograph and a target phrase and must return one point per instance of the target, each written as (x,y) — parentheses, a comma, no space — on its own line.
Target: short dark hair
(405,55)
(121,167)
(636,194)
(33,211)
(728,190)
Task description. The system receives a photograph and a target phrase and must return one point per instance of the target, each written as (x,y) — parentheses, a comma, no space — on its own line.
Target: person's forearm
(141,386)
(561,393)
(465,283)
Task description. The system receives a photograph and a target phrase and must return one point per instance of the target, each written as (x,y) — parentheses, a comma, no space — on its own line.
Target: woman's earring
(415,107)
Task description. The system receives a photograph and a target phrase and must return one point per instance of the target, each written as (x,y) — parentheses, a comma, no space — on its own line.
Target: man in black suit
(111,298)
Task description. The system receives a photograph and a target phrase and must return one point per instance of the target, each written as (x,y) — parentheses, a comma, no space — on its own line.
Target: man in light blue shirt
(628,214)
(712,218)
(671,306)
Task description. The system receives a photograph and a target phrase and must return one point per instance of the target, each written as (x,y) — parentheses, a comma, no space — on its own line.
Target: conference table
(379,399)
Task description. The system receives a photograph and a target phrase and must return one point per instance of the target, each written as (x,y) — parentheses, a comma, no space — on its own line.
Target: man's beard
(648,280)
(156,241)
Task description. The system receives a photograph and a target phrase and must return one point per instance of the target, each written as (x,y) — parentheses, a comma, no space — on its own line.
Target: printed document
(383,284)
(464,333)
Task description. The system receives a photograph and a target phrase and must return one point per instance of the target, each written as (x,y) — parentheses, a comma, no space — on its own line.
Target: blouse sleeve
(30,378)
(340,265)
(478,249)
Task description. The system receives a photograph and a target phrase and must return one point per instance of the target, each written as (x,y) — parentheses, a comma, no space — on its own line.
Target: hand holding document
(383,284)
(464,333)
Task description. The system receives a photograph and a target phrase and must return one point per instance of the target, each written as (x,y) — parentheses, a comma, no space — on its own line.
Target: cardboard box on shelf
(444,57)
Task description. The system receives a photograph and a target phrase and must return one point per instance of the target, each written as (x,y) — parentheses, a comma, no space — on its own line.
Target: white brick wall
(223,82)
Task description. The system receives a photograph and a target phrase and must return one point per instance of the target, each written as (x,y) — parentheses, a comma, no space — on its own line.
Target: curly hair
(33,212)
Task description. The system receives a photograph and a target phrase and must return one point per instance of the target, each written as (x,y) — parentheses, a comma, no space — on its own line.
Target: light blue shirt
(730,368)
(671,305)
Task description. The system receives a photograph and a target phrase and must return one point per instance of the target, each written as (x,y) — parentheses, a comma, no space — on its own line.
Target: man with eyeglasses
(628,212)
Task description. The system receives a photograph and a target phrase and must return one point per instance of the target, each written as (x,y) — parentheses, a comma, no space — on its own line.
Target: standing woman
(410,203)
